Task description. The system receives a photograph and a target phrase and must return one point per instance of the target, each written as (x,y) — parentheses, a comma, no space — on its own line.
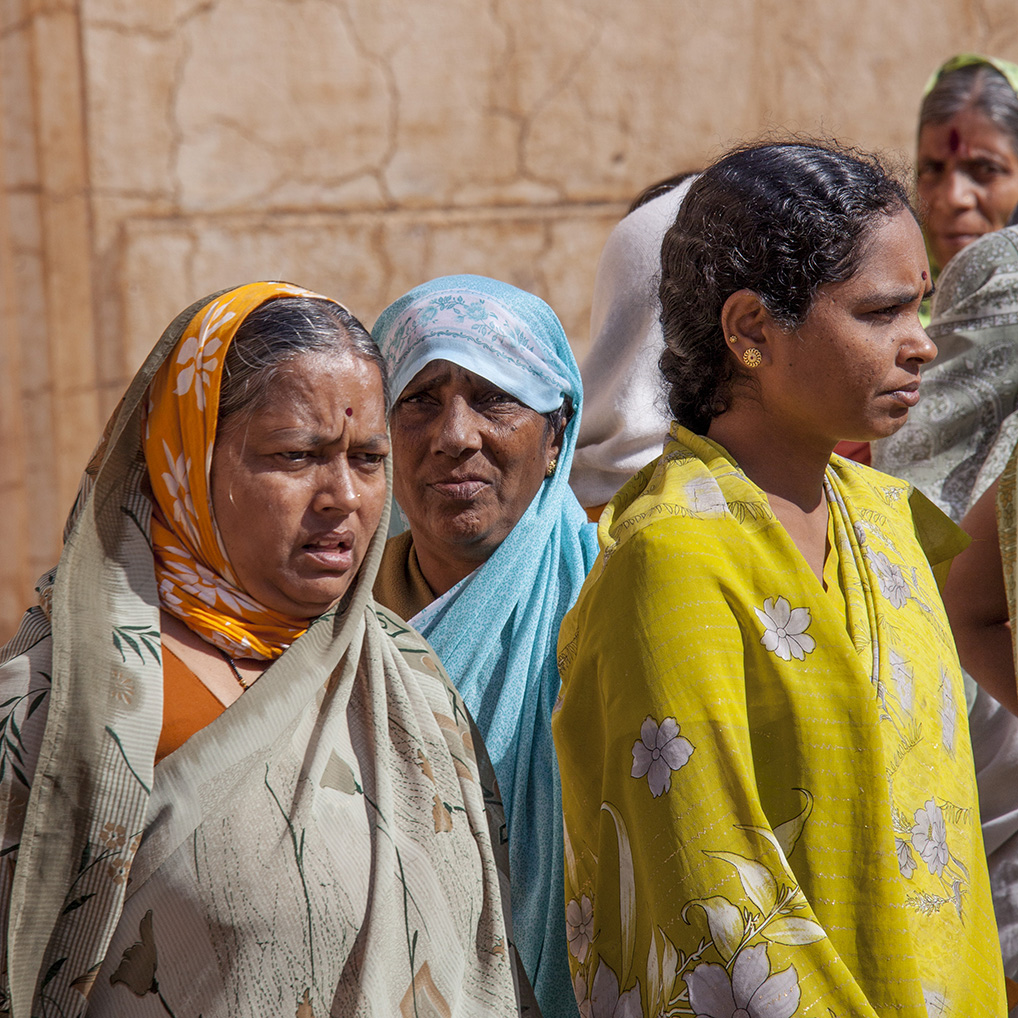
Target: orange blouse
(188,706)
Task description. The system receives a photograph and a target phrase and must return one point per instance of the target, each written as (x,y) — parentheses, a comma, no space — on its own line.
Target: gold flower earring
(752,358)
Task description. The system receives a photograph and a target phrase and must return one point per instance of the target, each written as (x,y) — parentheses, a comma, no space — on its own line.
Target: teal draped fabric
(496,631)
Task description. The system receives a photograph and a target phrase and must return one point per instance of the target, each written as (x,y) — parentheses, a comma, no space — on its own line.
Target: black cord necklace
(233,668)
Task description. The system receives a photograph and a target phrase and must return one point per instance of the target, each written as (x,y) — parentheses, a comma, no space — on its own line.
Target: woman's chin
(468,535)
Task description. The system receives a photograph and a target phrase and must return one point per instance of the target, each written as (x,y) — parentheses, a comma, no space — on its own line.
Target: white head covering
(625,415)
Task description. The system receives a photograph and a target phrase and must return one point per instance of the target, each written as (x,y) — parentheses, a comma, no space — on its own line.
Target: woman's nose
(918,347)
(457,429)
(337,488)
(958,191)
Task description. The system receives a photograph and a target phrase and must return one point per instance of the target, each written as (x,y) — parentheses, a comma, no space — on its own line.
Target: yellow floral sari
(769,799)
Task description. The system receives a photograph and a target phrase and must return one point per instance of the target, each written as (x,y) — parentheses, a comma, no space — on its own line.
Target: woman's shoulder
(694,486)
(867,481)
(414,649)
(900,510)
(399,586)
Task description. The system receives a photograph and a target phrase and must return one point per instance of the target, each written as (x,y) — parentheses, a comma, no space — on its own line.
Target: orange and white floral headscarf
(197,584)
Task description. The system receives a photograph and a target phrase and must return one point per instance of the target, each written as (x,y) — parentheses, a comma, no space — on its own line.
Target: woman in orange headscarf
(230,784)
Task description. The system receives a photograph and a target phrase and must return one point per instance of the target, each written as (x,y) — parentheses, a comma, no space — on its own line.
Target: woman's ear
(556,440)
(747,325)
(554,437)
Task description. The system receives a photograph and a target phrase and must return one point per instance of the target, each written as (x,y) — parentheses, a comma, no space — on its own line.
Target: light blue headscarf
(496,631)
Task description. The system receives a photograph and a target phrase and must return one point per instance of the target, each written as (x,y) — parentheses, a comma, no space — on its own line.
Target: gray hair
(279,331)
(976,86)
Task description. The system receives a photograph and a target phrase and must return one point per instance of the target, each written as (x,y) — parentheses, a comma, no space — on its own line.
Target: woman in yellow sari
(769,799)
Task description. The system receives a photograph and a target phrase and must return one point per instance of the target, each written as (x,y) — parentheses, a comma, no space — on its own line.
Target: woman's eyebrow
(894,298)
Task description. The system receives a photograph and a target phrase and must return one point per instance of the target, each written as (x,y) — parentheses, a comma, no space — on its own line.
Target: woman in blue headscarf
(484,423)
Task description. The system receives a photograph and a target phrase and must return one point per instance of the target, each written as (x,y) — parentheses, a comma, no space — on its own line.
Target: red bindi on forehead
(954,140)
(349,411)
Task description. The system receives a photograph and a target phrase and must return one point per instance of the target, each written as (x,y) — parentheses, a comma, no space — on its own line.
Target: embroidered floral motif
(197,357)
(607,1002)
(442,815)
(579,926)
(904,680)
(137,968)
(179,489)
(889,578)
(906,861)
(749,992)
(659,751)
(200,581)
(929,837)
(785,629)
(113,835)
(122,687)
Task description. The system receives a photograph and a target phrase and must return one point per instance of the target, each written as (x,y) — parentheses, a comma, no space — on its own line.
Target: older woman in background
(486,410)
(967,153)
(226,789)
(967,182)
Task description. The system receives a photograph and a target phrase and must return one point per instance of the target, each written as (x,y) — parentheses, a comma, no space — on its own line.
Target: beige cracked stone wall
(152,151)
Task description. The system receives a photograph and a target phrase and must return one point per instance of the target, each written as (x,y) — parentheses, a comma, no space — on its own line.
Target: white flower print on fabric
(904,680)
(177,486)
(605,999)
(580,992)
(206,585)
(659,751)
(168,595)
(948,712)
(580,926)
(929,837)
(906,860)
(705,496)
(750,992)
(197,355)
(889,578)
(785,629)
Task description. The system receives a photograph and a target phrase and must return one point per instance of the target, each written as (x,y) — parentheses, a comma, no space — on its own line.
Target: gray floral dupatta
(321,848)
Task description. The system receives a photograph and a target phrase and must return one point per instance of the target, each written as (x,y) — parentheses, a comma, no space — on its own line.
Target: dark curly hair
(781,220)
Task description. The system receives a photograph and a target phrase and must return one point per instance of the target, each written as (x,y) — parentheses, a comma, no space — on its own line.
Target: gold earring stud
(552,467)
(752,358)
(733,339)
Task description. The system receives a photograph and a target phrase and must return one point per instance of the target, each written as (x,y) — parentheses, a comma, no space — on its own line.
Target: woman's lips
(961,239)
(907,395)
(956,240)
(333,552)
(460,489)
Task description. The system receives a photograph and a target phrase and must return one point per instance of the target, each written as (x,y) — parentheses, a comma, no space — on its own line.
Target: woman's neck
(789,470)
(785,465)
(224,677)
(442,574)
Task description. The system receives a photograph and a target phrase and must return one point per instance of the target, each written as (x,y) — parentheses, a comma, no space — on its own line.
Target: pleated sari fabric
(320,848)
(770,807)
